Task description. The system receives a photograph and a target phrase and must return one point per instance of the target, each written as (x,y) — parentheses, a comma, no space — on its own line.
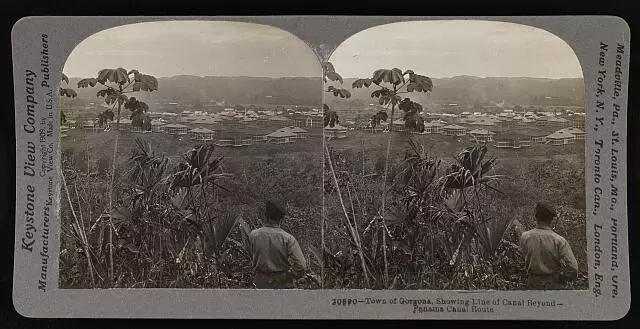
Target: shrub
(447,222)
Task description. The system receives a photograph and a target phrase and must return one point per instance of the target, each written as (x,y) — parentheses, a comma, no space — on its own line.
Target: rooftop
(280,133)
(481,132)
(560,134)
(201,130)
(572,130)
(454,127)
(293,129)
(175,125)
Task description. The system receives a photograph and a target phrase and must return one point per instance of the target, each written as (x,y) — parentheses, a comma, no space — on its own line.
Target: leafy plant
(378,118)
(117,84)
(68,92)
(330,116)
(330,74)
(412,118)
(392,83)
(138,113)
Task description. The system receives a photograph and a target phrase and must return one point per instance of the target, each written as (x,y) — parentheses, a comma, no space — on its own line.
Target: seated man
(549,261)
(276,256)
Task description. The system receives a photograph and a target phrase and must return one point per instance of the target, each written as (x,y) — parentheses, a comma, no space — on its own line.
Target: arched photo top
(448,48)
(220,107)
(192,47)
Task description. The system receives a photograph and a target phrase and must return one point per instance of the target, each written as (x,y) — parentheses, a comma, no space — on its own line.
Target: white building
(433,127)
(299,132)
(156,126)
(281,137)
(175,129)
(560,138)
(454,130)
(482,135)
(202,134)
(336,131)
(579,134)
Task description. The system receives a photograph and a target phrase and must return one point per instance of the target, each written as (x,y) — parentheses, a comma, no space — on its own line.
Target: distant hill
(484,91)
(185,89)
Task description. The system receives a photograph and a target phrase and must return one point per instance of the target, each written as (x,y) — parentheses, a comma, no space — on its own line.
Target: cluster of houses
(247,115)
(506,129)
(507,138)
(287,134)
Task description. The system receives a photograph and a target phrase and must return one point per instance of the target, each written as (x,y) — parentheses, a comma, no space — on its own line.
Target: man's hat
(545,211)
(274,209)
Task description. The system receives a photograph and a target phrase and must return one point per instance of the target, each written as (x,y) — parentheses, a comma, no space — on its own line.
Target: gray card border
(582,33)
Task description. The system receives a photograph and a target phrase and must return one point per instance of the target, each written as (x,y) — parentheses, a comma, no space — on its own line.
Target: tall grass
(447,222)
(176,222)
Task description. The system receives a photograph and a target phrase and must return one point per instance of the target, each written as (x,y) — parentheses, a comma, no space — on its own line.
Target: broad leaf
(103,75)
(393,76)
(118,76)
(148,83)
(333,76)
(378,76)
(106,92)
(121,76)
(90,82)
(330,118)
(419,83)
(328,67)
(378,117)
(342,93)
(104,117)
(136,74)
(362,83)
(414,122)
(68,92)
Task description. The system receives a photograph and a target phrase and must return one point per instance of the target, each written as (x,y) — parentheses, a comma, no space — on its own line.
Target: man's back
(274,250)
(547,254)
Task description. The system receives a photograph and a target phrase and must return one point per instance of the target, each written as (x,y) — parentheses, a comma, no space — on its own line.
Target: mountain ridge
(192,90)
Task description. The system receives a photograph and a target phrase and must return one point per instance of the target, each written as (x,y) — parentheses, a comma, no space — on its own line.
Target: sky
(440,49)
(433,48)
(199,48)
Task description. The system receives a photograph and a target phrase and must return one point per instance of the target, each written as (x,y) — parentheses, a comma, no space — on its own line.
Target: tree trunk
(118,116)
(81,233)
(363,172)
(384,197)
(119,107)
(111,227)
(350,228)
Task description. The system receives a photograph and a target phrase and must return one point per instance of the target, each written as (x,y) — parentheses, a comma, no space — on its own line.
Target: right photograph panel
(454,159)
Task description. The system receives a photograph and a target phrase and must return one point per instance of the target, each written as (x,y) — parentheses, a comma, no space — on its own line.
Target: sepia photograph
(321,167)
(191,158)
(454,159)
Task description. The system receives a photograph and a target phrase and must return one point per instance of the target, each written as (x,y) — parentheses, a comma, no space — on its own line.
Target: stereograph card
(321,167)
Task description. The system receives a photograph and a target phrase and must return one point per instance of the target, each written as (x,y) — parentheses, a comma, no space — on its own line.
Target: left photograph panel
(191,158)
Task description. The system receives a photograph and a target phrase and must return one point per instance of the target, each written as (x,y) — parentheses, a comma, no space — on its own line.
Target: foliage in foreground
(441,228)
(156,223)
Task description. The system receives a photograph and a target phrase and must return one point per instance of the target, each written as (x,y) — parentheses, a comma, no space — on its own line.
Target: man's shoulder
(543,232)
(528,233)
(559,237)
(257,231)
(270,230)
